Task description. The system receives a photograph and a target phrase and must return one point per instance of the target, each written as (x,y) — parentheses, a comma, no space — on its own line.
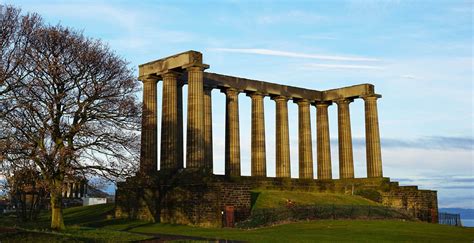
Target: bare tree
(74,110)
(27,191)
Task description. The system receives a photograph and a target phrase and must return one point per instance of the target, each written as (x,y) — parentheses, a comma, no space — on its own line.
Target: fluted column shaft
(180,124)
(148,151)
(323,141)
(283,168)
(258,136)
(195,130)
(346,161)
(208,156)
(169,123)
(232,133)
(305,147)
(372,137)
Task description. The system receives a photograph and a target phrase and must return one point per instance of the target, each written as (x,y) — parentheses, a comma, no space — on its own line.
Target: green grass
(276,199)
(327,230)
(90,224)
(78,221)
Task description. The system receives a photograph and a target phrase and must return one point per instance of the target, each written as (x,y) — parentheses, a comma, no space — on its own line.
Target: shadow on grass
(253,197)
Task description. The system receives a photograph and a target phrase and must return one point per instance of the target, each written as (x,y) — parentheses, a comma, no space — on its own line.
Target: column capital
(149,78)
(207,89)
(196,67)
(370,97)
(230,91)
(170,74)
(344,101)
(301,101)
(255,94)
(280,98)
(322,104)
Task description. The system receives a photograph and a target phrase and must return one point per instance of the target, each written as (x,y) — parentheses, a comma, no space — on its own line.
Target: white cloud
(268,52)
(340,66)
(125,18)
(408,76)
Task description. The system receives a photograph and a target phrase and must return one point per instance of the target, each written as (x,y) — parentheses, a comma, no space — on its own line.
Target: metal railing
(450,219)
(267,216)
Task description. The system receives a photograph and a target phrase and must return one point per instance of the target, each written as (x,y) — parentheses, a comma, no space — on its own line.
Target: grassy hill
(78,221)
(328,231)
(271,207)
(90,223)
(276,199)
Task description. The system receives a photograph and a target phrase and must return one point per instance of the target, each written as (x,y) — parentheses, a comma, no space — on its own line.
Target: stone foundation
(198,198)
(186,198)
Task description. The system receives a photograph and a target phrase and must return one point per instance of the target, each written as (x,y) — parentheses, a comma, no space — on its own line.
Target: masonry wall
(202,201)
(193,204)
(422,204)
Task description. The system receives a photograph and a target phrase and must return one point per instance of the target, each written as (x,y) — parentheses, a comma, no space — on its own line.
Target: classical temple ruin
(193,195)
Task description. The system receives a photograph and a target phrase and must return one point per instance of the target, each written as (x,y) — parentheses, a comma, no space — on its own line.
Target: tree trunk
(57,222)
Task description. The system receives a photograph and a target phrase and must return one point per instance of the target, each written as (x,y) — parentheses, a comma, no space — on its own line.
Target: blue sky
(418,54)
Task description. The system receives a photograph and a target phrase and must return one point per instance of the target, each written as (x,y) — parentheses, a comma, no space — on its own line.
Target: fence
(266,216)
(450,219)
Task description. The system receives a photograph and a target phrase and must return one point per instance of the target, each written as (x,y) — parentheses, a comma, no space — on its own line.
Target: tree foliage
(68,103)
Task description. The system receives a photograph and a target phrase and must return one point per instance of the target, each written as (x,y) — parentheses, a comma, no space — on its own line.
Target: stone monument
(193,195)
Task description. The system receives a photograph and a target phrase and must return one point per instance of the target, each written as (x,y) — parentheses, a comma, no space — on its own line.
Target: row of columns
(199,131)
(74,189)
(324,171)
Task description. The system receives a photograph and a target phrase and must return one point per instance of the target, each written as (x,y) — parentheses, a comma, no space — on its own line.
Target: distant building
(80,193)
(95,196)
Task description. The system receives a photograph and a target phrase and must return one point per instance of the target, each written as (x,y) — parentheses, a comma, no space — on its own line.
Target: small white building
(86,201)
(94,196)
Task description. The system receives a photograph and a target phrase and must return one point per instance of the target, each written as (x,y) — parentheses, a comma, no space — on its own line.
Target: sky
(418,54)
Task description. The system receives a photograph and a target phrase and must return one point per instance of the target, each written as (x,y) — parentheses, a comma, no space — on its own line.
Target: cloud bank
(268,52)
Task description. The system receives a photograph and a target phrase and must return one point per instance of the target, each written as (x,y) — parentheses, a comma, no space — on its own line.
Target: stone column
(72,190)
(148,152)
(82,189)
(323,141)
(283,168)
(208,156)
(258,136)
(195,131)
(372,137)
(169,123)
(346,162)
(180,124)
(68,189)
(305,151)
(232,136)
(75,188)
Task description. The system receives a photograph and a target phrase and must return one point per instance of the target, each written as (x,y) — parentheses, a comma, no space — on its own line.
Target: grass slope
(276,199)
(327,230)
(90,224)
(78,221)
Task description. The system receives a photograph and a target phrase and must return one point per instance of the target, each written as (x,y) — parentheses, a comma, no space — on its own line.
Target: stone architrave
(372,137)
(283,167)
(323,141)
(169,123)
(258,160)
(346,161)
(232,133)
(208,154)
(305,151)
(195,147)
(148,152)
